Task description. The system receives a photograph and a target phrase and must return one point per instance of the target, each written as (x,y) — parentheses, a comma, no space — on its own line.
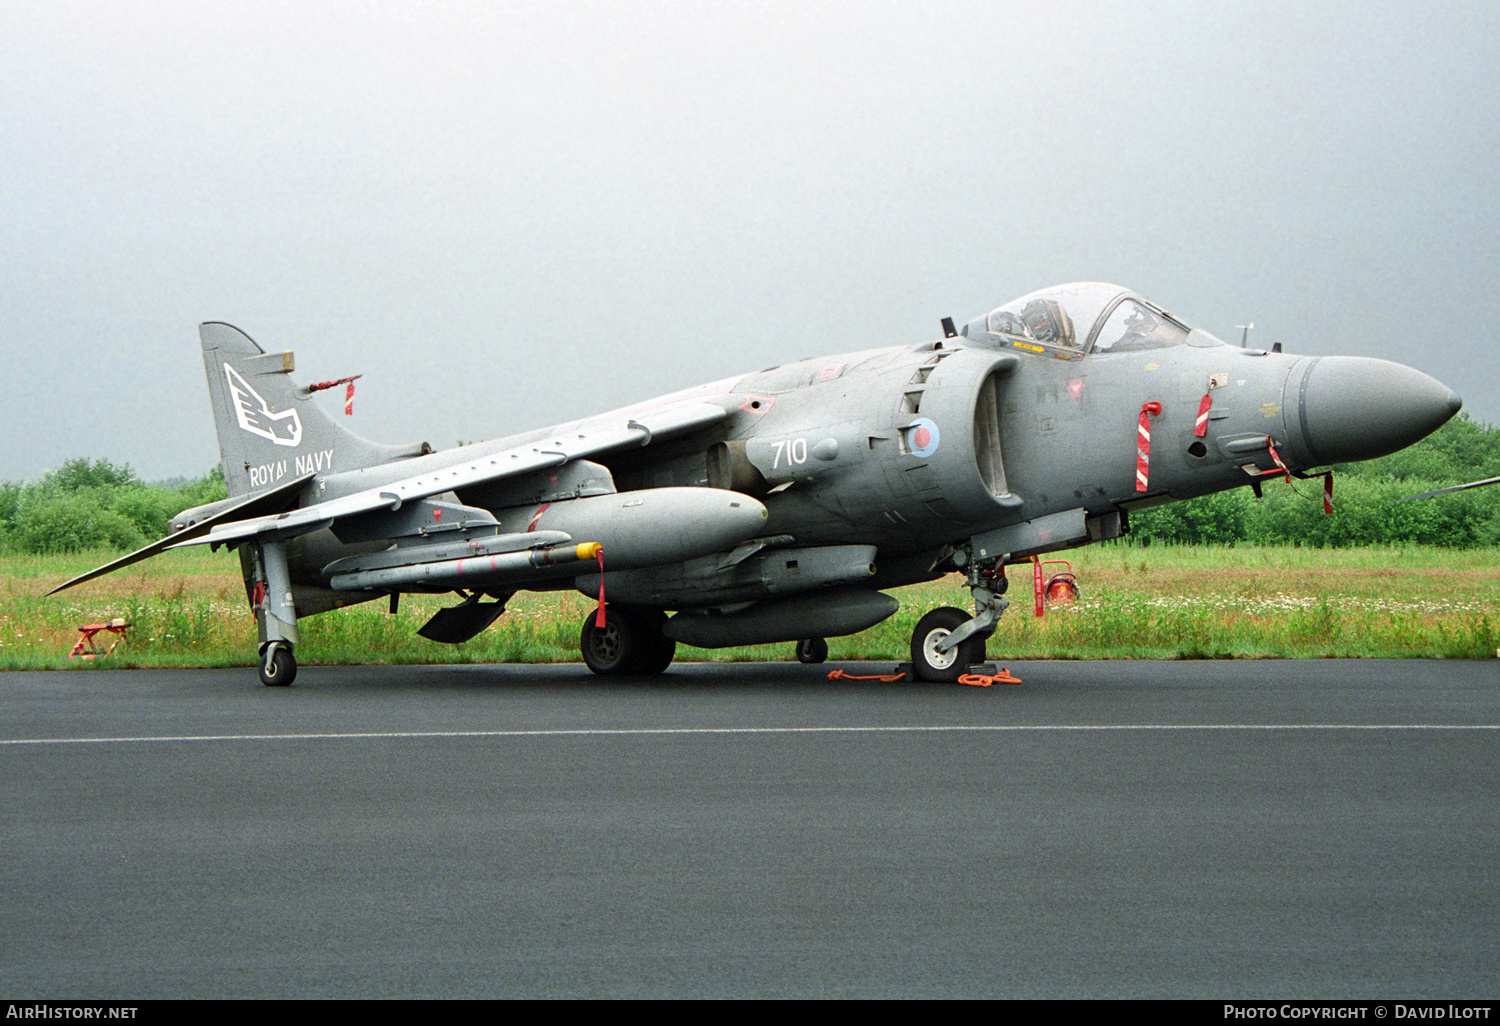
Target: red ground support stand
(1060,589)
(87,649)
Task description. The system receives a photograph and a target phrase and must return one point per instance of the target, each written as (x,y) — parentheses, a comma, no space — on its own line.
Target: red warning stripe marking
(348,392)
(1143,446)
(1271,446)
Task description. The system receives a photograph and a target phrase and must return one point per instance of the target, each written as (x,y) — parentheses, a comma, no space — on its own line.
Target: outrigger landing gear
(275,615)
(278,667)
(812,650)
(948,641)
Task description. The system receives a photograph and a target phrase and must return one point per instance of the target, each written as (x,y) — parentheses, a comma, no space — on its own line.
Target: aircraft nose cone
(1357,408)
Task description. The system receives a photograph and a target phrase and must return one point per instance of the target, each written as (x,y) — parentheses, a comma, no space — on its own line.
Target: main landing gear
(630,642)
(948,641)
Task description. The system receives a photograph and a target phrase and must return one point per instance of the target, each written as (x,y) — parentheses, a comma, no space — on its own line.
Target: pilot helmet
(1046,321)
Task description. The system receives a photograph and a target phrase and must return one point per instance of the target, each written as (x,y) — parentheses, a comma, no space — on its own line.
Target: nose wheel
(931,663)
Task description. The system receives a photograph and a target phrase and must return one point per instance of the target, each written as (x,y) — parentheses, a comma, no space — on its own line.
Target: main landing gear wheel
(660,651)
(278,667)
(927,662)
(812,650)
(631,641)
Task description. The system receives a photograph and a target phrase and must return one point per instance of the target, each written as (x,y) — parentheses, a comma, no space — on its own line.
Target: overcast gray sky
(511,214)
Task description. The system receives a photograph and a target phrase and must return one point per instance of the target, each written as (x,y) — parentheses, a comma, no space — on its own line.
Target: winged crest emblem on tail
(256,416)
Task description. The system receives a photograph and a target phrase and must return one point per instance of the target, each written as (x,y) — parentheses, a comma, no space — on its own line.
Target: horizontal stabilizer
(273,500)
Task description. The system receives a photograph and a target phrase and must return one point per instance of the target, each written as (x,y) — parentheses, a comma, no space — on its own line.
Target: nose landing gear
(948,641)
(930,661)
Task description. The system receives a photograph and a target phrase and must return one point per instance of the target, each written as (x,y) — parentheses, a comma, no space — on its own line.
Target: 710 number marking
(795,451)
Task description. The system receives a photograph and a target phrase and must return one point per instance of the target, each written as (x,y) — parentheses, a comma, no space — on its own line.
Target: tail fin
(269,428)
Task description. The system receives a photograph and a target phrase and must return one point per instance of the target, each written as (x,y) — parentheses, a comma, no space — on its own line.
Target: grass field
(188,609)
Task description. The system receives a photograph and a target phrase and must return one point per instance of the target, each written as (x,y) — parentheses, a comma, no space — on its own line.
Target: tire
(658,655)
(613,649)
(812,650)
(631,642)
(943,667)
(279,669)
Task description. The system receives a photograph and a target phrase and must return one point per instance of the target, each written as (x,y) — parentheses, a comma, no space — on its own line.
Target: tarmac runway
(1220,830)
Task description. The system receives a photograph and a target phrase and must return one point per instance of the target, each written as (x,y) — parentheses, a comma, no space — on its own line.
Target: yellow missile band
(588,550)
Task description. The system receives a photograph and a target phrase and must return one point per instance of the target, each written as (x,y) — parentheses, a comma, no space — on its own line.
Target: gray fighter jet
(781,505)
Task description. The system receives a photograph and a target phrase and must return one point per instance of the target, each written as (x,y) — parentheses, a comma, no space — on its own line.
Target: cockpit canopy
(1069,321)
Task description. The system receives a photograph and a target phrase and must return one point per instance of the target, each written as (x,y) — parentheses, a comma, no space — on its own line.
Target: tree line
(94,504)
(1365,502)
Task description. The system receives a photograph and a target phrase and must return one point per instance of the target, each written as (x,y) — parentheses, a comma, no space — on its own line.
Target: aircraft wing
(269,515)
(574,441)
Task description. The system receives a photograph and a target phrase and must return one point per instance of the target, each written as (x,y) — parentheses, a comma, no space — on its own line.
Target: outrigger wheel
(927,662)
(812,650)
(278,667)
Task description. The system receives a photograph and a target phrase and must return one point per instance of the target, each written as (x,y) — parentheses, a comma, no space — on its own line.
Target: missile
(635,529)
(471,571)
(411,555)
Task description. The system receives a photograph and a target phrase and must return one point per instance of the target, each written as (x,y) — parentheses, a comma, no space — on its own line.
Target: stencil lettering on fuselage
(269,473)
(314,461)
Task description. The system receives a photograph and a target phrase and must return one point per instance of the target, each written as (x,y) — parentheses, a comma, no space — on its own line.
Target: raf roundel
(922,437)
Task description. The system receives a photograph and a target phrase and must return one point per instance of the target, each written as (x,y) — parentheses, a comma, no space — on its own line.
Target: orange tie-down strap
(885,678)
(975,680)
(983,680)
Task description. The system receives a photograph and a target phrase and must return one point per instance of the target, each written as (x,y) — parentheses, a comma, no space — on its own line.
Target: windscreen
(1133,326)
